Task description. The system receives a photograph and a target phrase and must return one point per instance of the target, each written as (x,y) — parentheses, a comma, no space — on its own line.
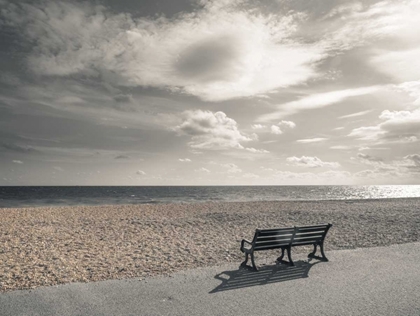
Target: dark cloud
(123,98)
(17,148)
(122,157)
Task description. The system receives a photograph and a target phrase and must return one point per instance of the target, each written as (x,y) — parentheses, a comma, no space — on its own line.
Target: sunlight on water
(53,196)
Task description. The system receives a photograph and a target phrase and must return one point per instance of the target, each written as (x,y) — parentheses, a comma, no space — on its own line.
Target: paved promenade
(369,281)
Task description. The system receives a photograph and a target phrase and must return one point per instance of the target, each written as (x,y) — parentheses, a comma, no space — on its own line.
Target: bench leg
(253,261)
(312,254)
(324,258)
(280,259)
(289,255)
(246,260)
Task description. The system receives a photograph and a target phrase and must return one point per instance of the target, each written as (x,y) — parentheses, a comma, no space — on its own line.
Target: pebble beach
(47,246)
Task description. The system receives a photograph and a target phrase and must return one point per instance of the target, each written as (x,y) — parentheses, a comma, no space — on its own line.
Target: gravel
(54,245)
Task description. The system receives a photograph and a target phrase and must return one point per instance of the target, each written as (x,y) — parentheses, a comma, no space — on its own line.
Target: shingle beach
(54,245)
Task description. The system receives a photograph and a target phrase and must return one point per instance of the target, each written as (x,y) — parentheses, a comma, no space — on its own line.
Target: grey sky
(209,92)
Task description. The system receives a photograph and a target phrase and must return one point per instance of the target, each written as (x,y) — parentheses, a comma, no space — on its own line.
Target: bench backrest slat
(265,239)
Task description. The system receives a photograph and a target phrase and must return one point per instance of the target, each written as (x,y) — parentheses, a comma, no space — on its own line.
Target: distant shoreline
(53,245)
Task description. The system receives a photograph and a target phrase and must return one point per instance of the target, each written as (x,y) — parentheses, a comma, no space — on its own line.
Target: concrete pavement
(369,281)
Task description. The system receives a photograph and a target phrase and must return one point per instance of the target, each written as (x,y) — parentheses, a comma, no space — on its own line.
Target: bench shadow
(246,277)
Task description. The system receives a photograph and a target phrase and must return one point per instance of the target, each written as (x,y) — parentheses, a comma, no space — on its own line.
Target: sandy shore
(47,246)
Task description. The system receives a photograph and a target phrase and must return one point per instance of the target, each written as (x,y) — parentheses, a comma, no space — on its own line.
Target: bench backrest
(265,239)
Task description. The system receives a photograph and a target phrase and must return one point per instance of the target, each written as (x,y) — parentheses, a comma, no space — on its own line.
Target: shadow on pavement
(246,277)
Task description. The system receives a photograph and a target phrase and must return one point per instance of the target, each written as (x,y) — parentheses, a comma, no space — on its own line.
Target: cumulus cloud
(278,129)
(257,126)
(397,126)
(415,158)
(316,101)
(217,53)
(210,130)
(311,162)
(184,159)
(17,161)
(140,172)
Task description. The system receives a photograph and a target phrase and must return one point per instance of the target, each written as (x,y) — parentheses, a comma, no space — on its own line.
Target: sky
(209,92)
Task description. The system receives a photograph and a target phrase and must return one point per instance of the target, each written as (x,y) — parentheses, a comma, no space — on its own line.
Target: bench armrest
(243,244)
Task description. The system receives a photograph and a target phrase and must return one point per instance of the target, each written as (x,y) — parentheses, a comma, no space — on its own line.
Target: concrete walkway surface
(369,281)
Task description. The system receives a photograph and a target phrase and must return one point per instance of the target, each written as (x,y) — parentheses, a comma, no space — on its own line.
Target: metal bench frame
(284,239)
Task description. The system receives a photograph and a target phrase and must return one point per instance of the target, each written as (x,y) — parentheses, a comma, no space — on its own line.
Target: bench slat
(309,230)
(272,238)
(275,232)
(300,234)
(311,240)
(270,247)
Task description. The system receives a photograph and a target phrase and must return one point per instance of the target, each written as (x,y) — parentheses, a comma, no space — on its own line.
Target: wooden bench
(285,239)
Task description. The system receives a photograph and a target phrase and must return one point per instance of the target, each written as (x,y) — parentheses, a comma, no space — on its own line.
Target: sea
(35,196)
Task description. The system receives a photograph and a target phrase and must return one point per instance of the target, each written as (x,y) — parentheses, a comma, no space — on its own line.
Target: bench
(285,239)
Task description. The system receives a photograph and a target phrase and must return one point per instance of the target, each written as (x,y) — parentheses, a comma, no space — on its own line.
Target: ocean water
(28,196)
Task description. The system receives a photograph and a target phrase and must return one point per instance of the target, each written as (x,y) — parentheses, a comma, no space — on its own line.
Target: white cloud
(140,172)
(260,151)
(202,170)
(231,168)
(341,147)
(257,126)
(311,140)
(217,53)
(398,126)
(17,161)
(311,162)
(184,159)
(210,130)
(277,129)
(355,114)
(315,101)
(412,88)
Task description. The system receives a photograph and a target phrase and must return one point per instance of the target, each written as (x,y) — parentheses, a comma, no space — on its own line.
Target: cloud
(369,160)
(124,98)
(184,160)
(253,150)
(355,114)
(140,172)
(341,147)
(17,148)
(17,161)
(219,52)
(311,140)
(122,157)
(277,129)
(311,162)
(231,168)
(257,126)
(202,170)
(397,126)
(415,158)
(316,101)
(210,130)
